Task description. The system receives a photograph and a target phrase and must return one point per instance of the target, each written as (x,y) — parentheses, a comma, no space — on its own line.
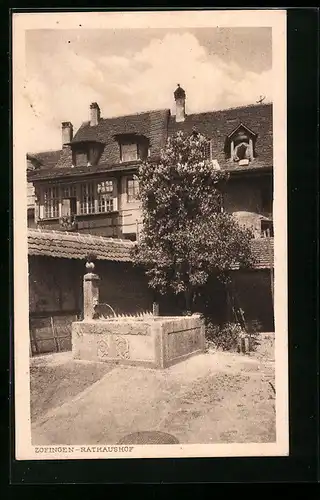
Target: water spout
(108,305)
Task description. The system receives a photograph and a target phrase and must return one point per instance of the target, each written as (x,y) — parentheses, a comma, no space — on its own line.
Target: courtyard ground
(215,397)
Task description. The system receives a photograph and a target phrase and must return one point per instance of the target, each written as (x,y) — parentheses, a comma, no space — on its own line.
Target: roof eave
(249,170)
(73,172)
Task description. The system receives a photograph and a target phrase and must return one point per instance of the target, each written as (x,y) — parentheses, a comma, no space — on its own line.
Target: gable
(241,127)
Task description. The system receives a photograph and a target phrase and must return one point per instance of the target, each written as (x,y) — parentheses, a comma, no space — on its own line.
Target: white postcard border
(276,19)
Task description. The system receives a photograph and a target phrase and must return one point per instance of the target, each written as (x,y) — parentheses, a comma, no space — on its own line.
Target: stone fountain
(148,340)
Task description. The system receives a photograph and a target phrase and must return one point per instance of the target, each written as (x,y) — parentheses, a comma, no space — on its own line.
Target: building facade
(90,185)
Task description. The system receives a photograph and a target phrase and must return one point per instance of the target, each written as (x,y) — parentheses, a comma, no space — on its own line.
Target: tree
(186,236)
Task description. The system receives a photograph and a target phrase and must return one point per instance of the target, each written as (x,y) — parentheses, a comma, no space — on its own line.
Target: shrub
(225,337)
(254,326)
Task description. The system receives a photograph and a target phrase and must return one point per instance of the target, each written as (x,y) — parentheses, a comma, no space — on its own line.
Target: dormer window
(133,147)
(80,159)
(86,153)
(240,145)
(129,152)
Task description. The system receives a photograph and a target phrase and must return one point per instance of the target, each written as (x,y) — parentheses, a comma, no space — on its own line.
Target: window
(133,146)
(267,228)
(68,207)
(105,204)
(51,202)
(84,198)
(86,154)
(105,187)
(129,152)
(69,191)
(105,190)
(132,189)
(69,200)
(80,158)
(87,204)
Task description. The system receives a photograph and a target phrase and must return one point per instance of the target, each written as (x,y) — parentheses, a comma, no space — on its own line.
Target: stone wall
(54,284)
(57,285)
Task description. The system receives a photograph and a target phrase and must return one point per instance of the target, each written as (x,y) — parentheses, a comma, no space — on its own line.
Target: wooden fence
(51,332)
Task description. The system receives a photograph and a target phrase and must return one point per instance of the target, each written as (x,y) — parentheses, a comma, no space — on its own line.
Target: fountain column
(90,292)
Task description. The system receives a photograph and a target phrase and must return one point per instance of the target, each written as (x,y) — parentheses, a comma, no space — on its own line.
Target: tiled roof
(77,246)
(263,252)
(44,159)
(151,124)
(62,173)
(156,125)
(217,125)
(62,244)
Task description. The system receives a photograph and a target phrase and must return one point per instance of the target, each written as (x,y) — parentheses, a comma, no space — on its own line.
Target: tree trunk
(188,294)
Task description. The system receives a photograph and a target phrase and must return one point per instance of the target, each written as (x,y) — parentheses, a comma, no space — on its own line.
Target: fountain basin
(156,342)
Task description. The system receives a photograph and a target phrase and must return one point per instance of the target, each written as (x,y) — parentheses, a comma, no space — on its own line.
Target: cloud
(61,85)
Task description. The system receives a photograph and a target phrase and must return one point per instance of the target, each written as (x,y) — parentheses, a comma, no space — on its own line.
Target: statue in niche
(242,152)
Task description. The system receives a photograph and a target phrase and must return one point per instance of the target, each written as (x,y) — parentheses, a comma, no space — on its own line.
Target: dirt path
(215,397)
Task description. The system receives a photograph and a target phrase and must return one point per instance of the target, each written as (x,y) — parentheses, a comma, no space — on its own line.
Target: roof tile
(62,244)
(151,124)
(156,125)
(217,125)
(44,159)
(75,246)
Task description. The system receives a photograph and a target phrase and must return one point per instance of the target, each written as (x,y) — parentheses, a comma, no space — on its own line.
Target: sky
(129,71)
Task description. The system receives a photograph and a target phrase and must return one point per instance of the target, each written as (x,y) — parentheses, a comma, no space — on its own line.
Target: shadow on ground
(52,384)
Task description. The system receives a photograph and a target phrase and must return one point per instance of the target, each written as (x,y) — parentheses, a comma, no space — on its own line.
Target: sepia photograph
(150,252)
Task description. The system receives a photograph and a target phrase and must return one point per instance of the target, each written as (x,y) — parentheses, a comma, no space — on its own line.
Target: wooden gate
(51,332)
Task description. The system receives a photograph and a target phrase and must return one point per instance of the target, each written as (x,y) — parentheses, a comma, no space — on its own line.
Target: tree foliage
(186,236)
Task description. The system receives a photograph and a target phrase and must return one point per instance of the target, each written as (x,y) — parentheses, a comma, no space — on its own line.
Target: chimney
(67,132)
(180,98)
(94,114)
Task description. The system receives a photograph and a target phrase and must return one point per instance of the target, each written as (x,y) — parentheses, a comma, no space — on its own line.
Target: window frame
(84,152)
(123,145)
(135,180)
(51,203)
(263,231)
(89,201)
